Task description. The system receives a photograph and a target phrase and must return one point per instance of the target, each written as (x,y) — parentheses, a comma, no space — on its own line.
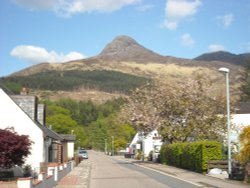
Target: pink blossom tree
(189,109)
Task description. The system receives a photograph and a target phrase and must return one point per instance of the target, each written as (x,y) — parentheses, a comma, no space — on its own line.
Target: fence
(49,179)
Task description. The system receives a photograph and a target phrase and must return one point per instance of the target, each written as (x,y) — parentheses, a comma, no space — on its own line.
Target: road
(111,173)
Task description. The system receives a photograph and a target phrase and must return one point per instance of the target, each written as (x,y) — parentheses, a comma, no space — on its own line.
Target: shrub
(193,156)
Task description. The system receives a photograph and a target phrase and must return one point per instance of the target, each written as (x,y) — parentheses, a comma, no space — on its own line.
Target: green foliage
(104,80)
(193,156)
(105,128)
(91,123)
(12,86)
(61,123)
(60,120)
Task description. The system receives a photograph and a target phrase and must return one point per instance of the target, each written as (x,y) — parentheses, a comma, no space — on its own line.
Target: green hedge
(193,156)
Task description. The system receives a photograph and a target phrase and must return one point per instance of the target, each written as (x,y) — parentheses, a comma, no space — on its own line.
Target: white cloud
(35,54)
(226,20)
(145,7)
(177,10)
(216,48)
(187,40)
(69,7)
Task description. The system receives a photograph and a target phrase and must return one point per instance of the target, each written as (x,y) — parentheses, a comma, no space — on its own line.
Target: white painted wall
(148,142)
(13,116)
(70,150)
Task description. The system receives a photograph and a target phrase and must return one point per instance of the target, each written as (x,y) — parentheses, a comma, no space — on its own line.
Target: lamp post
(112,144)
(226,72)
(105,146)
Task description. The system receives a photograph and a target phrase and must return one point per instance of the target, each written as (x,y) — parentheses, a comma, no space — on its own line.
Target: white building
(21,113)
(240,119)
(147,143)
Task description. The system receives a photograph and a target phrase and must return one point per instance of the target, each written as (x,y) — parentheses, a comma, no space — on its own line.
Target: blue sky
(34,31)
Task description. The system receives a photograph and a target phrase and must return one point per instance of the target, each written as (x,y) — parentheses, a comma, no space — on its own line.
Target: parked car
(83,153)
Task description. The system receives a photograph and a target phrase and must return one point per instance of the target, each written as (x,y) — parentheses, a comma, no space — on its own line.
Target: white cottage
(240,119)
(149,142)
(20,112)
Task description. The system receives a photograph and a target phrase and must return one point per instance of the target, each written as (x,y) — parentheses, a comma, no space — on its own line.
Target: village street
(118,172)
(108,172)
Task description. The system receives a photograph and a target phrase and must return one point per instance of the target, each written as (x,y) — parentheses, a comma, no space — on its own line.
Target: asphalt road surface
(107,172)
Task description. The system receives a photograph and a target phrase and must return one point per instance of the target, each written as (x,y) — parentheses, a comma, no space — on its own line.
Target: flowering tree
(13,148)
(180,111)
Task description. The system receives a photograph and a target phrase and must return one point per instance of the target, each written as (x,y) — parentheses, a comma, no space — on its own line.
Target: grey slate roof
(48,132)
(68,137)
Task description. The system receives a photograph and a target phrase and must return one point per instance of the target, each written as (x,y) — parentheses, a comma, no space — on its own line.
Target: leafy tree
(61,123)
(245,87)
(92,123)
(105,128)
(180,111)
(14,148)
(54,110)
(244,138)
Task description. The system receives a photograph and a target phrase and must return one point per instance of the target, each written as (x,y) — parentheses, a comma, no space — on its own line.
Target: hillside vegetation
(91,123)
(103,80)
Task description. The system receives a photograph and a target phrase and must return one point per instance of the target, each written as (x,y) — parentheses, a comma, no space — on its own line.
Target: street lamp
(105,146)
(112,146)
(226,72)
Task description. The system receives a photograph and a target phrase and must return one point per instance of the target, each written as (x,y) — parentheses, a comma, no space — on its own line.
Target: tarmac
(79,177)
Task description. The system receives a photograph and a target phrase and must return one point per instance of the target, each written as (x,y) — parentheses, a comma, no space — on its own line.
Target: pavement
(79,177)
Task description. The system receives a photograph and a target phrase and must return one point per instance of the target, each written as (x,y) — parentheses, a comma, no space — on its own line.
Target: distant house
(27,117)
(240,119)
(150,142)
(68,146)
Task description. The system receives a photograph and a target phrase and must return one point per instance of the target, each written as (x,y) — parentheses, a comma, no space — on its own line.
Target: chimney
(41,114)
(24,91)
(27,103)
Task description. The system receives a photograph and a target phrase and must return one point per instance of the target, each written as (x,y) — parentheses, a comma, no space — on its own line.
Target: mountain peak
(119,45)
(125,48)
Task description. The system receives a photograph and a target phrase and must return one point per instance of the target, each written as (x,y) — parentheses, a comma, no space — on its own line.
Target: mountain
(120,67)
(124,48)
(224,57)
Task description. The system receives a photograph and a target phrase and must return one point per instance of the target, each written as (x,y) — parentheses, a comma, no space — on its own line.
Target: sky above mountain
(34,31)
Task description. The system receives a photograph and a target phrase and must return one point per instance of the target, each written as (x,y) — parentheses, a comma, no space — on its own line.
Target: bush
(6,175)
(138,155)
(193,156)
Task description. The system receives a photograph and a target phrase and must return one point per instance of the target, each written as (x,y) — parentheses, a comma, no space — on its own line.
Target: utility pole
(106,146)
(112,145)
